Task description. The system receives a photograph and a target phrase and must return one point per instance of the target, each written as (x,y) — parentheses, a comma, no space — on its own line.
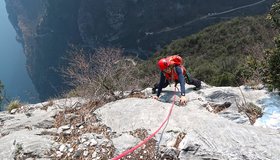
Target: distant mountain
(47,27)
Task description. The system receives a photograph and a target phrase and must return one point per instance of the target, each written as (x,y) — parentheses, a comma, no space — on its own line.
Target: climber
(172,70)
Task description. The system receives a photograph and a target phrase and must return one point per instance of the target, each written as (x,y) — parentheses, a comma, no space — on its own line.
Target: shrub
(253,112)
(100,73)
(250,109)
(273,68)
(13,105)
(225,79)
(205,72)
(274,54)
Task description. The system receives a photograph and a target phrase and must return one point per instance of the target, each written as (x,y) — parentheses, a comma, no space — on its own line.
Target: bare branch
(102,72)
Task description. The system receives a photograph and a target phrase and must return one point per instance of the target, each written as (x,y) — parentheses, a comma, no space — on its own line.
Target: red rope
(148,138)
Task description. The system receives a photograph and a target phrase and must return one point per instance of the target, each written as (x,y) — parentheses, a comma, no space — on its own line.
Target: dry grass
(137,94)
(50,103)
(147,151)
(85,117)
(179,138)
(216,108)
(14,105)
(251,110)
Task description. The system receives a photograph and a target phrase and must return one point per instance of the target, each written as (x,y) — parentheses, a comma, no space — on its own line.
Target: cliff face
(45,33)
(47,27)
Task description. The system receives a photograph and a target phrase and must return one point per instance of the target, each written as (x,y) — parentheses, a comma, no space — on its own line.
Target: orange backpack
(178,61)
(174,60)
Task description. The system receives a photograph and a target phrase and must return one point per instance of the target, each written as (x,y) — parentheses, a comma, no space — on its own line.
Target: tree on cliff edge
(101,72)
(274,54)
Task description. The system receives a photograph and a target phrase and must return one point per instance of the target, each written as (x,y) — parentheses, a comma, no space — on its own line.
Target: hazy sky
(12,61)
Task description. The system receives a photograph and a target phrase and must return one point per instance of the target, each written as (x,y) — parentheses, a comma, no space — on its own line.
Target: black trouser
(188,79)
(192,81)
(166,83)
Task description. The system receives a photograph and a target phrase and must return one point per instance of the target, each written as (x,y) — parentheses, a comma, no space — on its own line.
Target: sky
(13,72)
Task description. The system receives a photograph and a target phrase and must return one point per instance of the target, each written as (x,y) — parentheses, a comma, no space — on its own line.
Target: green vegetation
(273,59)
(229,53)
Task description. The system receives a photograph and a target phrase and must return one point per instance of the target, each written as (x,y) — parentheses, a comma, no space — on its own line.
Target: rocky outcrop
(46,28)
(28,133)
(206,135)
(77,128)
